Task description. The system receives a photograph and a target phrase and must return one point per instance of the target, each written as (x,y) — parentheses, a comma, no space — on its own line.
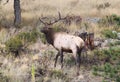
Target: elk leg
(61,56)
(78,63)
(85,56)
(77,60)
(56,58)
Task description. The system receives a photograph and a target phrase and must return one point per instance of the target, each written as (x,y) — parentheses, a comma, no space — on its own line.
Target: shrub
(28,37)
(33,73)
(58,28)
(116,19)
(14,45)
(115,43)
(103,6)
(110,20)
(21,41)
(3,78)
(109,34)
(110,70)
(42,37)
(57,74)
(70,61)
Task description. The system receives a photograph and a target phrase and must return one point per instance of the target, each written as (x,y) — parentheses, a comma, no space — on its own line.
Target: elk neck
(50,37)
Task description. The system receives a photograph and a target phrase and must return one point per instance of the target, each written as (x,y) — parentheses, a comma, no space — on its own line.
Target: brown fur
(49,34)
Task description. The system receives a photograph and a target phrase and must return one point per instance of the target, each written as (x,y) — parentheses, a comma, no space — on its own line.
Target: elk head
(90,41)
(48,26)
(46,30)
(83,35)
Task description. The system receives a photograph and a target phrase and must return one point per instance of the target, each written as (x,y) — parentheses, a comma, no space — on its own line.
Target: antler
(55,21)
(45,23)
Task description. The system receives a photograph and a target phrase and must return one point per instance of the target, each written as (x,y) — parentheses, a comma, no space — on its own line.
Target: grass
(82,8)
(3,35)
(21,41)
(33,73)
(31,10)
(110,69)
(109,34)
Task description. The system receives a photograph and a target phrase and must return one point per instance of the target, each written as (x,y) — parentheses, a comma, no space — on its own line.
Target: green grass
(109,34)
(33,73)
(110,20)
(110,70)
(21,41)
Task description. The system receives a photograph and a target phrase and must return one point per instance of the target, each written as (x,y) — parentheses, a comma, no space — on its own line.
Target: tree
(17,12)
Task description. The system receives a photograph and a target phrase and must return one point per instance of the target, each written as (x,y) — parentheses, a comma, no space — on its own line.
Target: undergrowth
(21,41)
(110,69)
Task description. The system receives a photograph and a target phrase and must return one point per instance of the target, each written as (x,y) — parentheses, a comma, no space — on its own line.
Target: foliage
(21,41)
(13,45)
(69,61)
(115,43)
(58,28)
(33,73)
(3,78)
(109,34)
(42,37)
(103,6)
(29,37)
(57,74)
(110,20)
(110,70)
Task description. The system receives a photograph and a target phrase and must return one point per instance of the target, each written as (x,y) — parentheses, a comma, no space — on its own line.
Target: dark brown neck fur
(50,36)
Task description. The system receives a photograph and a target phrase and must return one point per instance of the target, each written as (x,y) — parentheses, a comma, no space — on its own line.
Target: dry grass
(19,69)
(3,35)
(32,9)
(35,8)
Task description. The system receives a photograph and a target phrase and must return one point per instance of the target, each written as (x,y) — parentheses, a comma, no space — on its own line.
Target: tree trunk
(17,12)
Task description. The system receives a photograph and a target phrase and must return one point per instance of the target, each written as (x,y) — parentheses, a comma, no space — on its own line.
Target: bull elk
(63,42)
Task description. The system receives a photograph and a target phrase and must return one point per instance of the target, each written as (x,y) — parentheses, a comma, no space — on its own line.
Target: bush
(59,28)
(21,41)
(29,37)
(70,61)
(14,45)
(57,74)
(103,5)
(115,43)
(3,78)
(42,37)
(109,34)
(110,70)
(110,20)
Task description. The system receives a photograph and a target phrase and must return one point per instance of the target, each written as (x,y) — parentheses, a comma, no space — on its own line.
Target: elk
(89,42)
(63,42)
(88,39)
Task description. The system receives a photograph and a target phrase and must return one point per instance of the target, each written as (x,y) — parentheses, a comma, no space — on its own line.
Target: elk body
(64,42)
